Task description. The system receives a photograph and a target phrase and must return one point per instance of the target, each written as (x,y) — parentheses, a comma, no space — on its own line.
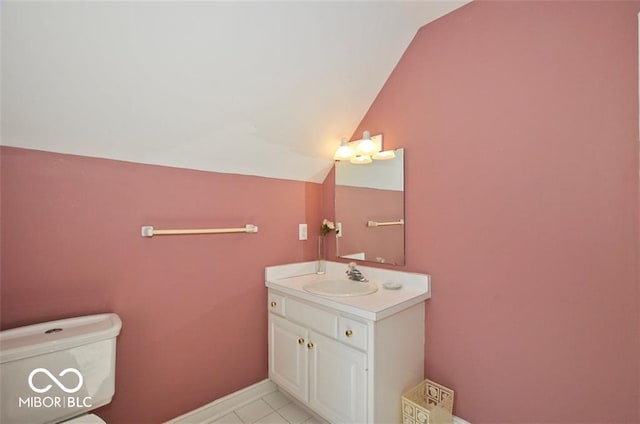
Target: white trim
(225,405)
(458,420)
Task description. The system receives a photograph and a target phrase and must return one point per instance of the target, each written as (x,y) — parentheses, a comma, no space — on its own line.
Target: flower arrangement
(327,226)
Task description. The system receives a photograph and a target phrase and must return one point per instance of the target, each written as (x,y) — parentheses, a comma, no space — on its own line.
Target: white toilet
(58,371)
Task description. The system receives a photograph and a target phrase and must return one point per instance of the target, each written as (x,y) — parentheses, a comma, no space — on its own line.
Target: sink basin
(340,288)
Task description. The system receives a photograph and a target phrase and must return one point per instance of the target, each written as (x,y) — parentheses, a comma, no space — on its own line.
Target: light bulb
(366,146)
(387,154)
(344,152)
(361,160)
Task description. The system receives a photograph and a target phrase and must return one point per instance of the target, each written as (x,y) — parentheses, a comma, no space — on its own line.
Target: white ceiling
(260,88)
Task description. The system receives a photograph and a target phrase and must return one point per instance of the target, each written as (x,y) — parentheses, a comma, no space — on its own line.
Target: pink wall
(520,123)
(193,307)
(357,206)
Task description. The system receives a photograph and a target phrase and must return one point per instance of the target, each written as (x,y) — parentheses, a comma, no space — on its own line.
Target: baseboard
(225,405)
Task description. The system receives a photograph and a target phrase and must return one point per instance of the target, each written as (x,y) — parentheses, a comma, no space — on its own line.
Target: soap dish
(392,286)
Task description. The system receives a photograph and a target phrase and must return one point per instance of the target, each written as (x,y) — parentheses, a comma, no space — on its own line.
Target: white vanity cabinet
(346,368)
(288,356)
(337,380)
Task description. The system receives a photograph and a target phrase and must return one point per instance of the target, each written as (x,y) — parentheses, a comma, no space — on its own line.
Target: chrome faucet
(354,274)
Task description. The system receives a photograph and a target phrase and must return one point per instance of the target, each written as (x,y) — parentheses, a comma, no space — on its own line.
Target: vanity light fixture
(361,152)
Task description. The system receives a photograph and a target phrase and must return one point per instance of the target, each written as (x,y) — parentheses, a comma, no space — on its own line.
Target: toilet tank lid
(85,419)
(46,337)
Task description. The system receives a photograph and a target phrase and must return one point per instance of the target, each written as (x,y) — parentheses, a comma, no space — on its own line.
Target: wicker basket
(427,403)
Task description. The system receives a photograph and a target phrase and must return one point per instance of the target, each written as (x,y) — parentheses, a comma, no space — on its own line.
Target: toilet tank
(56,370)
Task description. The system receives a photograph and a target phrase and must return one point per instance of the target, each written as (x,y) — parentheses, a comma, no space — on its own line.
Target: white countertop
(291,278)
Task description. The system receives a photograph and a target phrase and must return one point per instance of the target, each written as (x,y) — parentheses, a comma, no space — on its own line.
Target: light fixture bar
(353,145)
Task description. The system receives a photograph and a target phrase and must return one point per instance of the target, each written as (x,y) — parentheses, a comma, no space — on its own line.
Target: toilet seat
(85,419)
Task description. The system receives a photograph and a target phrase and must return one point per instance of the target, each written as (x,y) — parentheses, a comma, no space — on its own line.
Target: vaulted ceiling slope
(259,88)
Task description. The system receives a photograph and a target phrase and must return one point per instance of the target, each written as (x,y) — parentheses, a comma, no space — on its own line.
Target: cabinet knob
(310,345)
(348,333)
(273,304)
(300,341)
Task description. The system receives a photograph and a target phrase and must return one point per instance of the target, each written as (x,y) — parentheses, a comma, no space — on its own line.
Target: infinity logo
(55,380)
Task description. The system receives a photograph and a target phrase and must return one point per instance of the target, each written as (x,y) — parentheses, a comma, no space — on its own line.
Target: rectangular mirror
(370,210)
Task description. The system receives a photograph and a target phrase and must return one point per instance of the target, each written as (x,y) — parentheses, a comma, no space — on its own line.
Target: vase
(320,263)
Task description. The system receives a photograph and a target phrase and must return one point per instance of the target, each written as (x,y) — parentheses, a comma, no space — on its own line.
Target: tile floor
(274,408)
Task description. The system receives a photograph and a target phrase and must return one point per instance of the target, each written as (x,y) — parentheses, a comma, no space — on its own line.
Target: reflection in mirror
(370,210)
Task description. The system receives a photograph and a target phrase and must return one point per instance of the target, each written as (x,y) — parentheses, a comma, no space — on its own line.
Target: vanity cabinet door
(288,356)
(337,380)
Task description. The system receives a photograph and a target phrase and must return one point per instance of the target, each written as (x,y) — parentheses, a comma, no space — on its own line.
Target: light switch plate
(302,231)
